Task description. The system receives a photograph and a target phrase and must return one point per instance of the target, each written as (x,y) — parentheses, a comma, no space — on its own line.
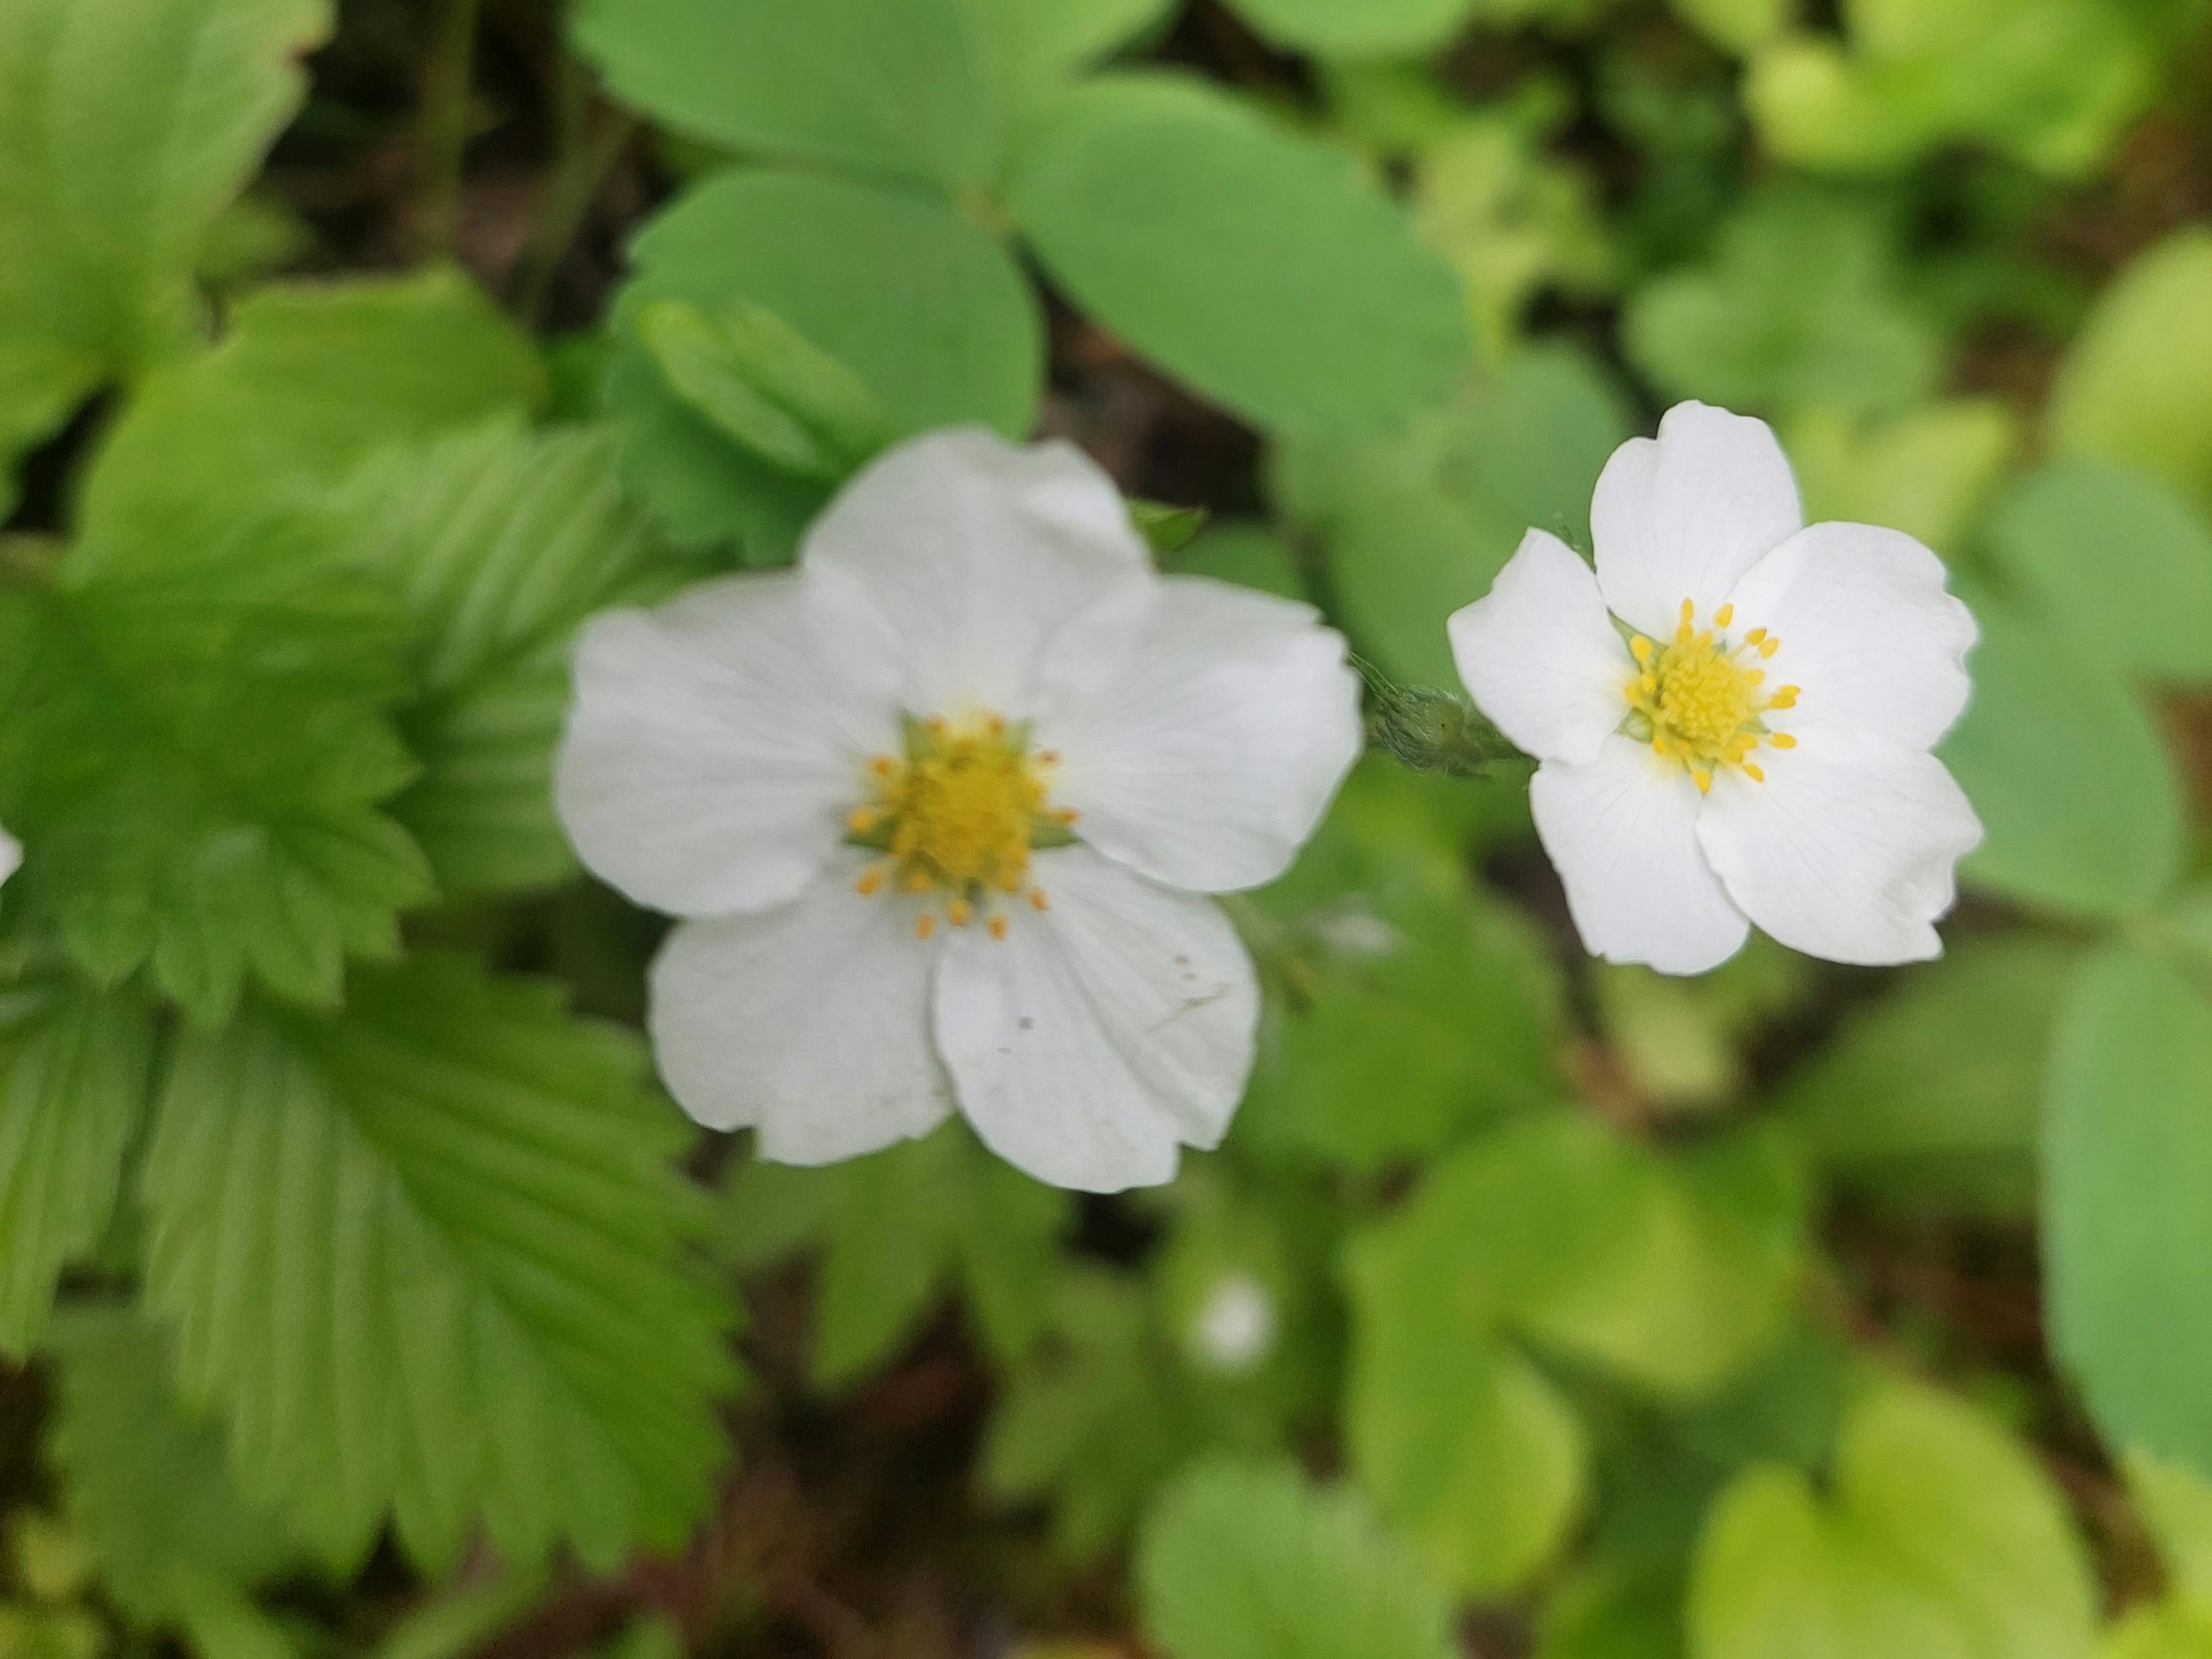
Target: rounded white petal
(1622,830)
(940,571)
(1868,633)
(810,1021)
(1540,656)
(711,754)
(1208,753)
(1096,1037)
(1683,515)
(1847,850)
(11,856)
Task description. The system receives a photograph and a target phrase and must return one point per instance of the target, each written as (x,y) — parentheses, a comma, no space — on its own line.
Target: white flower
(940,805)
(1749,742)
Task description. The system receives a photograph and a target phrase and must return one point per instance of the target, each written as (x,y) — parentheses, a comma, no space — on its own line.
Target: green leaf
(128,128)
(1373,29)
(76,1064)
(2119,564)
(498,544)
(2074,784)
(311,380)
(193,749)
(765,386)
(1312,308)
(1925,472)
(428,1258)
(2127,1238)
(120,1438)
(1239,1563)
(2177,1505)
(886,87)
(926,308)
(1167,530)
(2136,388)
(1905,1102)
(1941,1539)
(1035,42)
(1608,1611)
(1800,309)
(1246,552)
(2172,1631)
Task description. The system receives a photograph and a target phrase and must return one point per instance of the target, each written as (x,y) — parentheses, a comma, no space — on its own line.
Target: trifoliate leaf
(2127,1238)
(427,1259)
(128,127)
(1313,307)
(1905,1104)
(1800,309)
(926,308)
(498,544)
(2136,390)
(1941,1539)
(76,1064)
(1253,1563)
(876,87)
(146,1485)
(2099,833)
(2117,561)
(195,751)
(310,381)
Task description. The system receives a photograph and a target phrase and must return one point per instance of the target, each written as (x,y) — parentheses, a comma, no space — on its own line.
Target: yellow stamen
(1724,616)
(870,882)
(1640,649)
(1755,636)
(958,814)
(1696,700)
(1769,646)
(960,913)
(1037,900)
(924,924)
(1754,773)
(1783,740)
(861,819)
(998,928)
(1688,611)
(1702,778)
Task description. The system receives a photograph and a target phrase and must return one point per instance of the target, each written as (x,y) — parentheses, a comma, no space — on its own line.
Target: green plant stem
(443,142)
(580,167)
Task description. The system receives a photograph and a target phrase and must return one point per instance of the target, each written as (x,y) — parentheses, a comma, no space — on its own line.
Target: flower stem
(1428,729)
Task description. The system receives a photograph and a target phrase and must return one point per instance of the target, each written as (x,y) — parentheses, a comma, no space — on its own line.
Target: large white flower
(940,805)
(1749,741)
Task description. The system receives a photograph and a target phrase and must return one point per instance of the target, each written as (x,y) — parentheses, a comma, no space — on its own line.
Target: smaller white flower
(1234,1330)
(941,806)
(1749,742)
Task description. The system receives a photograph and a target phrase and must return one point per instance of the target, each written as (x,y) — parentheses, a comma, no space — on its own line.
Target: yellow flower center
(1701,699)
(959,814)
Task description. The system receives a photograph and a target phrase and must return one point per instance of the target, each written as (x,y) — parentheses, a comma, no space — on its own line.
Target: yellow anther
(918,881)
(870,882)
(998,928)
(883,766)
(1037,900)
(1769,646)
(1697,701)
(958,814)
(1702,778)
(1724,616)
(1640,649)
(1067,816)
(1047,757)
(861,819)
(1754,773)
(1688,611)
(1755,675)
(1755,636)
(1783,740)
(1705,640)
(1784,698)
(960,913)
(924,924)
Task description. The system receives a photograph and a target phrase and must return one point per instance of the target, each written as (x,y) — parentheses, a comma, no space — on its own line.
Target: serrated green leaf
(120,1438)
(1252,1563)
(1904,1102)
(2136,389)
(427,1258)
(128,127)
(926,308)
(76,1064)
(1313,308)
(1943,1539)
(498,544)
(880,87)
(2127,1239)
(2074,784)
(2114,561)
(311,380)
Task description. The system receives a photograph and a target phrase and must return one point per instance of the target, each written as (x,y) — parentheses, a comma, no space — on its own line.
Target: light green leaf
(427,1257)
(128,126)
(2072,783)
(884,87)
(1943,1539)
(1239,1563)
(2136,388)
(1245,552)
(145,1485)
(1311,308)
(2127,1237)
(1737,25)
(2177,1505)
(1904,1101)
(2119,564)
(1801,309)
(1925,472)
(498,545)
(2171,1630)
(75,1065)
(1368,28)
(1035,42)
(926,309)
(310,381)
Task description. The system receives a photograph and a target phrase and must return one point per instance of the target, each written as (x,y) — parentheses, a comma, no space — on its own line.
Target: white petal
(811,1021)
(1623,832)
(11,856)
(947,564)
(1683,515)
(1540,656)
(710,753)
(1209,754)
(1095,1037)
(1868,632)
(1847,850)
